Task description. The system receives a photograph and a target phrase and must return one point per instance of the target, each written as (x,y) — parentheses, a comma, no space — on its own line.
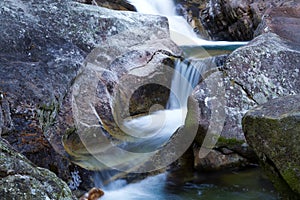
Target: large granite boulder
(122,79)
(266,68)
(21,179)
(42,49)
(273,131)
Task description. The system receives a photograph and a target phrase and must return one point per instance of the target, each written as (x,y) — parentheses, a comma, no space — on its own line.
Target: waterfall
(185,79)
(180,31)
(156,128)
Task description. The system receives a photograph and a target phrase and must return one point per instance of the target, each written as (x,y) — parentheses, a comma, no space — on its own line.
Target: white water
(156,128)
(181,32)
(152,188)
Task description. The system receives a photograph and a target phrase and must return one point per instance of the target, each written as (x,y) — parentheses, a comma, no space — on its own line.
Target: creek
(158,127)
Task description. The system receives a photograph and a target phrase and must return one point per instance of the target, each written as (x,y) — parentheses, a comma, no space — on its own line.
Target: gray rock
(217,160)
(285,22)
(42,47)
(126,78)
(273,131)
(21,179)
(265,69)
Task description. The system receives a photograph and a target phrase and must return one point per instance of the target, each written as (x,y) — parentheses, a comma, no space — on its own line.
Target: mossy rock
(273,130)
(22,180)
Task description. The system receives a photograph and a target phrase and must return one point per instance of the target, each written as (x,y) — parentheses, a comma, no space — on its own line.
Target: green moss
(291,178)
(47,114)
(222,141)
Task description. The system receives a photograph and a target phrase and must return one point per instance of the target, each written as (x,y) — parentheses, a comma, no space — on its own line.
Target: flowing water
(181,32)
(241,185)
(156,129)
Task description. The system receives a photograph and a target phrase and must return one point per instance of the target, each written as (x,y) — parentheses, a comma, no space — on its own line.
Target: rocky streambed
(45,47)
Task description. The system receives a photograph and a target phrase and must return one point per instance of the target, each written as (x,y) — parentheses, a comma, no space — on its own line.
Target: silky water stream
(230,185)
(244,184)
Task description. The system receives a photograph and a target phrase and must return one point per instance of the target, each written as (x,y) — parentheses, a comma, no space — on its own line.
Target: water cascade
(156,128)
(181,32)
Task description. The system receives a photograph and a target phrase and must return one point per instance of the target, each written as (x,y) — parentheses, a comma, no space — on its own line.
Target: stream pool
(233,185)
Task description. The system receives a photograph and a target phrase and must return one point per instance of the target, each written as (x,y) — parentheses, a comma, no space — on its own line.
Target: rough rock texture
(266,68)
(130,47)
(284,21)
(42,48)
(126,77)
(228,20)
(37,67)
(218,160)
(21,179)
(273,131)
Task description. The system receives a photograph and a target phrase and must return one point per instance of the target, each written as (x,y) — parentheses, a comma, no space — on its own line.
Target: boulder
(218,160)
(265,68)
(273,131)
(284,21)
(21,179)
(126,78)
(42,49)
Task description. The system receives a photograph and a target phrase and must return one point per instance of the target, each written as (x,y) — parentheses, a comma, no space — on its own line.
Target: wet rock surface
(273,131)
(228,20)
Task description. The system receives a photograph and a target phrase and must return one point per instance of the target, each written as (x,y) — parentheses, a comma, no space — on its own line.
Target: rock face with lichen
(51,43)
(273,131)
(266,68)
(42,48)
(21,179)
(120,80)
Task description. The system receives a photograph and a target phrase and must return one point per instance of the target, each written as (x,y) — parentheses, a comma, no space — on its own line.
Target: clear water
(243,185)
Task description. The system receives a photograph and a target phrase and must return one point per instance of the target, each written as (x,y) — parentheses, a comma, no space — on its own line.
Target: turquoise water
(242,185)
